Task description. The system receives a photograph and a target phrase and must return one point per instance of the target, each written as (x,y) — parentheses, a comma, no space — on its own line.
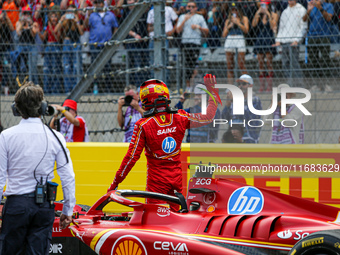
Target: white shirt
(170,16)
(190,35)
(22,147)
(292,27)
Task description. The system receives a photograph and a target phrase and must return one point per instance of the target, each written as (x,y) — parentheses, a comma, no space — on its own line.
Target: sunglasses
(191,6)
(243,84)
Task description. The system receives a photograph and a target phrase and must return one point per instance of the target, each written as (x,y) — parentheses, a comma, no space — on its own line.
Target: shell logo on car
(128,245)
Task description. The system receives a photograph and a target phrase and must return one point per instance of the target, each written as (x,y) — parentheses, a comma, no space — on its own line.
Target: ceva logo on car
(246,201)
(166,246)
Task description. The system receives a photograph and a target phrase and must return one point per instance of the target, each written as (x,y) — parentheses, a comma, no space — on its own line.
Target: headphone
(43,110)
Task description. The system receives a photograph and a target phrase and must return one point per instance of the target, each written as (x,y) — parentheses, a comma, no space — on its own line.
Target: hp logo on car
(245,201)
(168,144)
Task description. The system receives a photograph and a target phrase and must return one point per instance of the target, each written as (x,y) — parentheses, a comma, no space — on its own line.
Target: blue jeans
(52,69)
(26,63)
(72,65)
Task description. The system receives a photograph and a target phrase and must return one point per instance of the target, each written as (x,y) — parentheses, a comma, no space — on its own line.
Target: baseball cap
(246,78)
(70,103)
(199,89)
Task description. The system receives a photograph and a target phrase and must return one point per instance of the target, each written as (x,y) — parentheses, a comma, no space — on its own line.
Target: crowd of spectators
(55,29)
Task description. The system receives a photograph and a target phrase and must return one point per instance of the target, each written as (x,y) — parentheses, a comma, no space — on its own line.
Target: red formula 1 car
(218,217)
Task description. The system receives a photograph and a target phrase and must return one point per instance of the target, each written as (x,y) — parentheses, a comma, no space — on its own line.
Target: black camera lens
(128,100)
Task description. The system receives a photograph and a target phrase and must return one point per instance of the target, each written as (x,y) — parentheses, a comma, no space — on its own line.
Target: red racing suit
(161,135)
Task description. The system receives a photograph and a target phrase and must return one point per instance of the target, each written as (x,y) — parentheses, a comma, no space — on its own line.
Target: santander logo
(285,234)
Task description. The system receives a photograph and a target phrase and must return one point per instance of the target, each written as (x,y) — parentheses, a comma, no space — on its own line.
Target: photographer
(28,153)
(291,133)
(133,112)
(72,126)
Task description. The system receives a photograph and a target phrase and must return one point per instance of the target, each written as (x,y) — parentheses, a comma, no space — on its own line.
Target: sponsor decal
(209,198)
(300,235)
(128,245)
(163,211)
(211,208)
(56,248)
(180,248)
(56,229)
(312,242)
(166,130)
(191,197)
(245,201)
(203,181)
(168,144)
(285,234)
(162,118)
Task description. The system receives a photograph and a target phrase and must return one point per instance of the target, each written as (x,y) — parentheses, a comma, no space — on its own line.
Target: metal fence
(60,66)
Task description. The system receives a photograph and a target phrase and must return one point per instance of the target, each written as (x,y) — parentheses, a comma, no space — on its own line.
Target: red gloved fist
(113,186)
(210,82)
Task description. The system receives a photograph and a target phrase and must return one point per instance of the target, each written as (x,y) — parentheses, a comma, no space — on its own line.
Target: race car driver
(161,132)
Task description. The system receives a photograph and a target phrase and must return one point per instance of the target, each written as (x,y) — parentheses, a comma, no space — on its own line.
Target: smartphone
(234,15)
(69,16)
(263,6)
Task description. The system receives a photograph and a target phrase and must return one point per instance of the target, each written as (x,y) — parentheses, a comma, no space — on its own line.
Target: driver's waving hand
(161,132)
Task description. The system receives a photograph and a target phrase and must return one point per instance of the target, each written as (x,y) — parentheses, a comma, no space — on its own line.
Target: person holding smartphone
(133,113)
(26,31)
(6,41)
(265,21)
(70,28)
(52,60)
(235,28)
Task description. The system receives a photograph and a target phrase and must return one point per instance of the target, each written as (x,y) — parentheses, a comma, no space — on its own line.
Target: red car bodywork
(223,214)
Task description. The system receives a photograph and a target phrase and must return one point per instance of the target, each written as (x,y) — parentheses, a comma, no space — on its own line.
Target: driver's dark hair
(28,100)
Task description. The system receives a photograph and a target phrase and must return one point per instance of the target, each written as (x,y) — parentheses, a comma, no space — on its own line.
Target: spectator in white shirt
(292,30)
(28,153)
(192,26)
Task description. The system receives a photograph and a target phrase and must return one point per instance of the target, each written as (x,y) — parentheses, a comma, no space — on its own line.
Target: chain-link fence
(55,44)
